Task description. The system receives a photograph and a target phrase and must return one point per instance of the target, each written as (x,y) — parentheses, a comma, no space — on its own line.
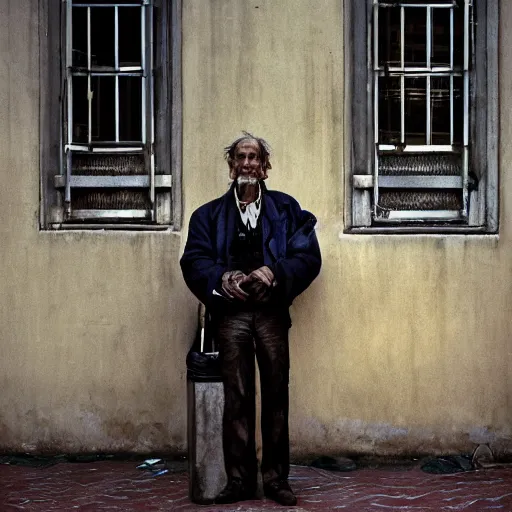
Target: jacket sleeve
(200,269)
(297,270)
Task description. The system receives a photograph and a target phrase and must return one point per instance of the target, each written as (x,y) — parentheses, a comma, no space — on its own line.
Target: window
(111,154)
(424,89)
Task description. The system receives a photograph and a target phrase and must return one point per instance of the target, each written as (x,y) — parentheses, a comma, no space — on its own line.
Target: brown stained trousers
(242,335)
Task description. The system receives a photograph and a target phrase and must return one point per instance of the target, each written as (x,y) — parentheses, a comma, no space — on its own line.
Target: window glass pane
(441,35)
(79,21)
(129,36)
(440,109)
(103,109)
(415,110)
(458,110)
(130,108)
(458,29)
(80,110)
(389,37)
(421,2)
(103,36)
(389,110)
(415,37)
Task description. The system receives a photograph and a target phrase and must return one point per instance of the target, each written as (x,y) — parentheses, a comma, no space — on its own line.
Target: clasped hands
(257,285)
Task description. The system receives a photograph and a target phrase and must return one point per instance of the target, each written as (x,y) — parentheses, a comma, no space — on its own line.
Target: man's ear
(266,166)
(232,174)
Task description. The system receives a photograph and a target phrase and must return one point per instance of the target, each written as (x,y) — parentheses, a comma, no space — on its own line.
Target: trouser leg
(236,346)
(271,337)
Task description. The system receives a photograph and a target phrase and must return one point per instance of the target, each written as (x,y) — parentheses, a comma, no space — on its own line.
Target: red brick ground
(119,486)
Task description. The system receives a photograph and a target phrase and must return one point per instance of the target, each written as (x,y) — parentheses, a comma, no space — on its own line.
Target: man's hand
(231,282)
(263,274)
(259,284)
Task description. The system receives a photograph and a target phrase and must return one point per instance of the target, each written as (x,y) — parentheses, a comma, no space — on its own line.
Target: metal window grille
(108,136)
(421,110)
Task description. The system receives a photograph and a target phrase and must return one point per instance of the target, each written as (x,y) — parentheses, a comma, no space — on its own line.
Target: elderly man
(248,254)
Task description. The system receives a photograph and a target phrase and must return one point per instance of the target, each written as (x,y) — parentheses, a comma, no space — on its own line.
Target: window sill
(111,228)
(404,233)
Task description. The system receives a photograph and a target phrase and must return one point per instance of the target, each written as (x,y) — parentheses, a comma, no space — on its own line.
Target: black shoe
(279,490)
(233,492)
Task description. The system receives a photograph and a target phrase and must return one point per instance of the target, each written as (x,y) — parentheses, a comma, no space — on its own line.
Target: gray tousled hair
(229,151)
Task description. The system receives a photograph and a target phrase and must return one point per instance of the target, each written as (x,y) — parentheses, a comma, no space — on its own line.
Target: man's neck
(247,192)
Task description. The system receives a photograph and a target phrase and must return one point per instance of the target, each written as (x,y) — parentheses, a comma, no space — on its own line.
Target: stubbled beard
(246,180)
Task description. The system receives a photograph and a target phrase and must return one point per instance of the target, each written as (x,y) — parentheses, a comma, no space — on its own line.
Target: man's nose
(246,161)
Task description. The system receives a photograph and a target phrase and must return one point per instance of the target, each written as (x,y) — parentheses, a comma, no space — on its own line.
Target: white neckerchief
(249,212)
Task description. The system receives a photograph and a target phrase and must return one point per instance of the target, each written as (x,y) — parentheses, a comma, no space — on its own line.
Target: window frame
(167,105)
(359,106)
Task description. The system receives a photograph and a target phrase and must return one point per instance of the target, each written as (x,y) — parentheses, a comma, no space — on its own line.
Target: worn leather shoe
(280,491)
(233,492)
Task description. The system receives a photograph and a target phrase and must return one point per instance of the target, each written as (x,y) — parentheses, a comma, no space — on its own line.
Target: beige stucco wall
(400,346)
(93,326)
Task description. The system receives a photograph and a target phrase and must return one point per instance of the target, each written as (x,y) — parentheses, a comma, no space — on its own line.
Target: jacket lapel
(273,225)
(225,217)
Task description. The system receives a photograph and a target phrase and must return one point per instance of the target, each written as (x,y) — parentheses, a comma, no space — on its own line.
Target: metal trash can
(205,403)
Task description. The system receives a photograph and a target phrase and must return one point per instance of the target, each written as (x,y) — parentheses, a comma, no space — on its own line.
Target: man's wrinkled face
(247,162)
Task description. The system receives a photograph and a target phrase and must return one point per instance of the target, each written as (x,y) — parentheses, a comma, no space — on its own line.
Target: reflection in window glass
(441,35)
(389,37)
(415,110)
(103,109)
(80,110)
(389,110)
(440,109)
(130,114)
(129,36)
(458,36)
(458,110)
(103,36)
(80,37)
(415,51)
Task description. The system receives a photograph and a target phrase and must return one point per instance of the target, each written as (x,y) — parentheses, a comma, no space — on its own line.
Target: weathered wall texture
(402,345)
(93,326)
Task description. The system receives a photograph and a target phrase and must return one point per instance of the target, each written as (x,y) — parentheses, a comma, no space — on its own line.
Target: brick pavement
(119,486)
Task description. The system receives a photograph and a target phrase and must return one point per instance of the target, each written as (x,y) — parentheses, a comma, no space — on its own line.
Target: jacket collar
(273,224)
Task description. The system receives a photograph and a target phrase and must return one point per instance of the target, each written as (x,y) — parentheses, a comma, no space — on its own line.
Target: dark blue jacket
(290,246)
